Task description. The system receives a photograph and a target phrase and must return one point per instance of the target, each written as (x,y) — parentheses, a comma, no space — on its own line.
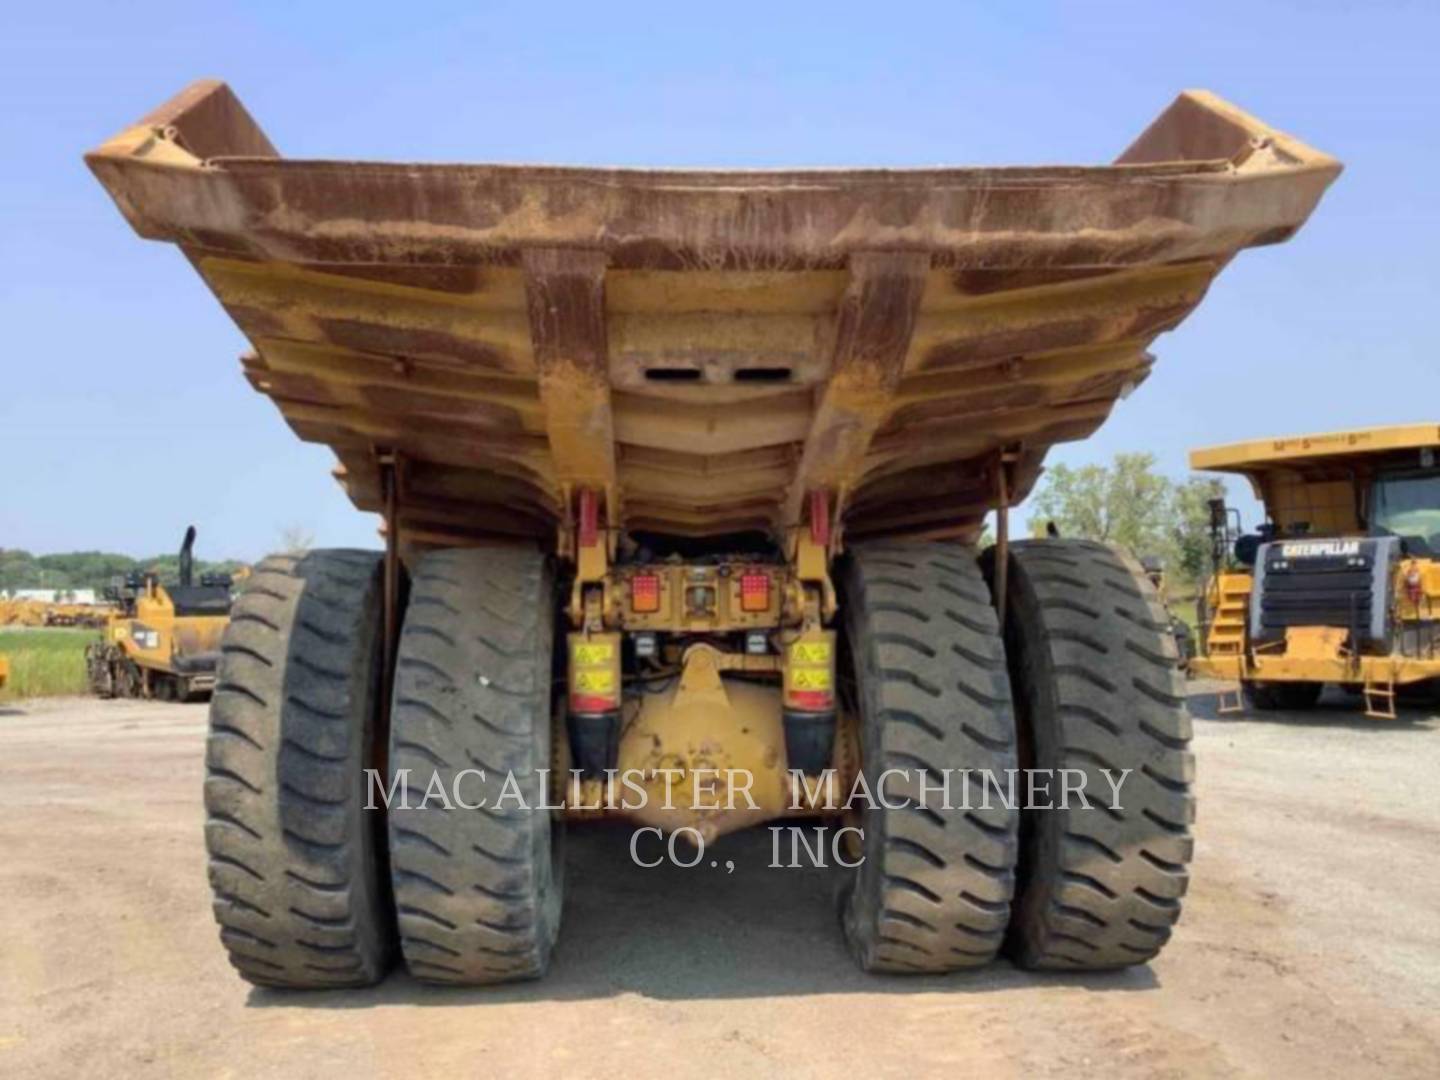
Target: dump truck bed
(705,347)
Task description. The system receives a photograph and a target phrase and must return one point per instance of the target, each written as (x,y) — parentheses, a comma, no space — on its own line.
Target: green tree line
(1128,503)
(90,569)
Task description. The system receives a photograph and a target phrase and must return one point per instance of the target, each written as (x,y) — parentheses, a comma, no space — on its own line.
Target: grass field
(44,662)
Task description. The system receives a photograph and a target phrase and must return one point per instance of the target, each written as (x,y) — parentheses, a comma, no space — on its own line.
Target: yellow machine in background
(31,613)
(164,640)
(22,612)
(1341,584)
(72,614)
(4,671)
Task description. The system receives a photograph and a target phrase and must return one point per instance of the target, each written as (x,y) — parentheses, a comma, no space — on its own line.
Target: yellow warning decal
(810,678)
(594,653)
(595,682)
(810,652)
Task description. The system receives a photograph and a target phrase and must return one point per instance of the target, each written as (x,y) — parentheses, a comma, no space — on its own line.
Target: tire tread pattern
(296,870)
(1098,687)
(933,894)
(477,891)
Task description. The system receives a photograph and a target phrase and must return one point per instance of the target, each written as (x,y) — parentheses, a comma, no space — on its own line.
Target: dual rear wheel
(1082,696)
(462,875)
(313,885)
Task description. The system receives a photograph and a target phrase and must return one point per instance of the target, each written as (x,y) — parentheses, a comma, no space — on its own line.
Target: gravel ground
(1310,944)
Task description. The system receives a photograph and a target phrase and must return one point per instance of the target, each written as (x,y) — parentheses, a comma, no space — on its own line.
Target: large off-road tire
(922,645)
(1092,663)
(296,861)
(477,890)
(98,671)
(1282,696)
(110,673)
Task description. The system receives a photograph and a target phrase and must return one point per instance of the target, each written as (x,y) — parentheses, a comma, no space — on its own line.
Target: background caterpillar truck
(163,640)
(679,473)
(1341,584)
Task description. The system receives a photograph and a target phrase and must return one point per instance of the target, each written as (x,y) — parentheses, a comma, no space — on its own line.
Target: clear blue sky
(122,412)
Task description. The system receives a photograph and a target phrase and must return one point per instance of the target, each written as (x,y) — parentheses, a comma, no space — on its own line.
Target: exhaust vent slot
(762,374)
(672,374)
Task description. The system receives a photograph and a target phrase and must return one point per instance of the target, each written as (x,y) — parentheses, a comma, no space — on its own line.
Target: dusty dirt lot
(1310,944)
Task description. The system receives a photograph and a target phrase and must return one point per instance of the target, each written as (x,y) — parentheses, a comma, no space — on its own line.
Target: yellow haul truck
(680,473)
(1341,584)
(162,640)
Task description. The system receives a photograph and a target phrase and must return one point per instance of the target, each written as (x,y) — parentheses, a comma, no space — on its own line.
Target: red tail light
(754,592)
(645,593)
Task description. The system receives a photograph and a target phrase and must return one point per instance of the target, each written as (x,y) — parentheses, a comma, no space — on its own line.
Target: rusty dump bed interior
(703,347)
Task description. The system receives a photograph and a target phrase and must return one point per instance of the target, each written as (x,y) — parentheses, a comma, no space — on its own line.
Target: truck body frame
(707,453)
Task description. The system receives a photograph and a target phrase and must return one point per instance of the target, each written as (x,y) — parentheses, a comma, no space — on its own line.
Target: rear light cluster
(645,593)
(754,592)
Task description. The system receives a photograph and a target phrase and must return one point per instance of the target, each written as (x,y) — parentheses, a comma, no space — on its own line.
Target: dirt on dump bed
(1310,944)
